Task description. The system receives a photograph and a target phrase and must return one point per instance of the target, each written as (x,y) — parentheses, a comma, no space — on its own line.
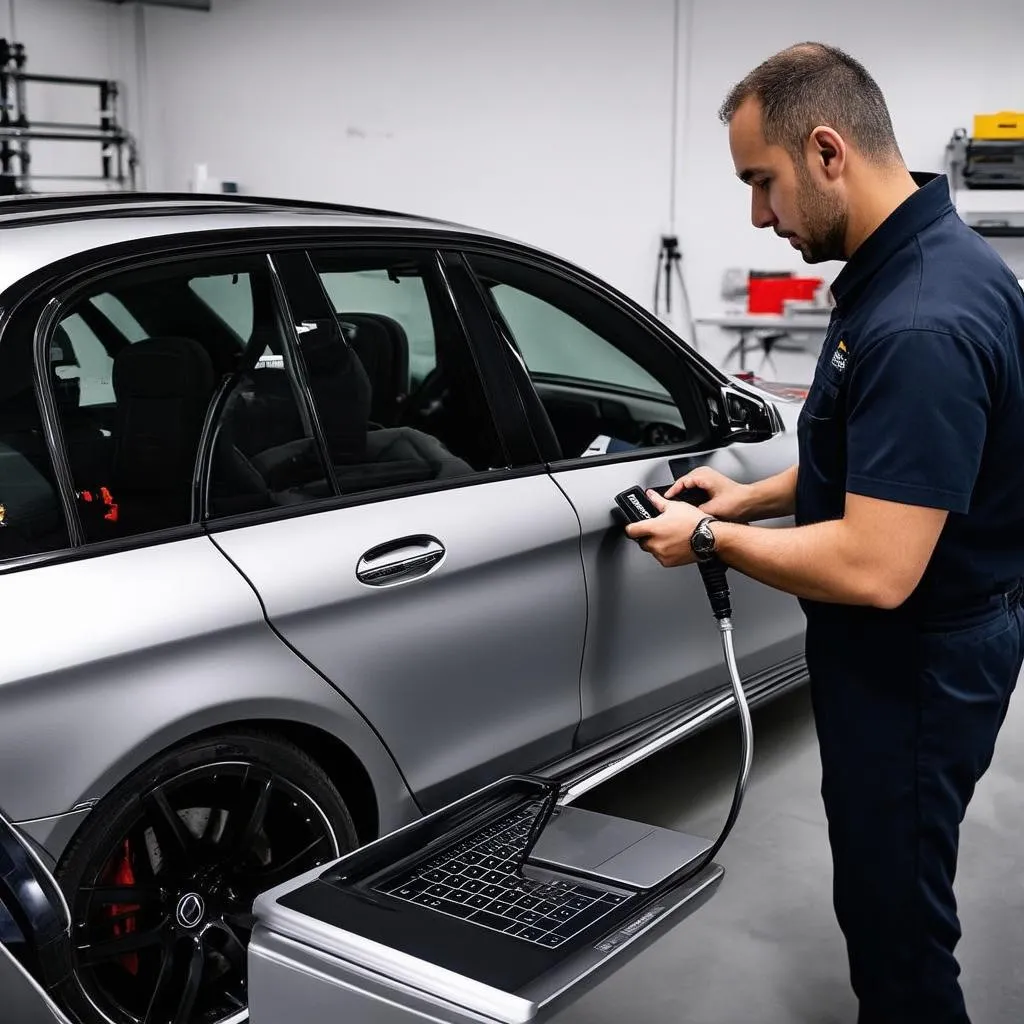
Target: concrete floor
(766,949)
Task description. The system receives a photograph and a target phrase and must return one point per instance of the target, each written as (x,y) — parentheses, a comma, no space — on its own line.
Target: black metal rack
(118,160)
(993,167)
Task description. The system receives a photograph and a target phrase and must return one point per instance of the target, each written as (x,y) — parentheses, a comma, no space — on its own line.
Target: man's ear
(826,152)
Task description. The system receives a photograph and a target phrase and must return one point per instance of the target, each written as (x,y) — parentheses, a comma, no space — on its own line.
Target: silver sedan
(305,530)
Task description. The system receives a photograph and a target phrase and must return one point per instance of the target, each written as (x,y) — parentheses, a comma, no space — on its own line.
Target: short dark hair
(809,84)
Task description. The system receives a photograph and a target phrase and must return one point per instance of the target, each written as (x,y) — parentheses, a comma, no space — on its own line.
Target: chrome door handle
(400,561)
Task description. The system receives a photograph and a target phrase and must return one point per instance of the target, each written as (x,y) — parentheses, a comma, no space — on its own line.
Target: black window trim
(128,257)
(53,429)
(495,406)
(535,436)
(68,277)
(283,306)
(506,399)
(344,500)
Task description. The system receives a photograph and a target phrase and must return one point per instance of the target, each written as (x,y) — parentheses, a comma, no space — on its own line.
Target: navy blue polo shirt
(918,396)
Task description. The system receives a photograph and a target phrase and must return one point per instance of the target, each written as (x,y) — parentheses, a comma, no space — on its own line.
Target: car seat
(163,388)
(383,348)
(32,514)
(362,456)
(386,455)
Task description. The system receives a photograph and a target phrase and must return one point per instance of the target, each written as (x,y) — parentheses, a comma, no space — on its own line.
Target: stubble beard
(825,220)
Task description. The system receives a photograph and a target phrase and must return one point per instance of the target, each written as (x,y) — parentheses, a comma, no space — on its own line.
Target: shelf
(989,200)
(999,230)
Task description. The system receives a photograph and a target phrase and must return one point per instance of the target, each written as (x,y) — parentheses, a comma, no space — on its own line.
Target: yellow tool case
(1007,124)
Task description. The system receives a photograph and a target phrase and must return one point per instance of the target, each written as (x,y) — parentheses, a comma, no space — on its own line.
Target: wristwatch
(702,540)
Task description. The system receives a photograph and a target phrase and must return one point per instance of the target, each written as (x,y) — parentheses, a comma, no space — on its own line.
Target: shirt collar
(927,204)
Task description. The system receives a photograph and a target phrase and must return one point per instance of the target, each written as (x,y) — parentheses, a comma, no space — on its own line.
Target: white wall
(83,38)
(548,120)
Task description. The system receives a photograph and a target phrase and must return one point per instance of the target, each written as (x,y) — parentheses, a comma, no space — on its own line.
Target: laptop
(502,905)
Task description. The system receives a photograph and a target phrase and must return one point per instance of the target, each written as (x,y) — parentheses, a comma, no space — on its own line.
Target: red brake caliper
(124,875)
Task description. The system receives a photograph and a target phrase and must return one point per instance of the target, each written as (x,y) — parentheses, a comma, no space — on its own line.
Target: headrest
(383,347)
(163,368)
(363,328)
(16,367)
(380,334)
(341,390)
(325,351)
(163,388)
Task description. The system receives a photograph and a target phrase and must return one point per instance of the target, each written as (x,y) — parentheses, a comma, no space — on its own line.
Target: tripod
(669,265)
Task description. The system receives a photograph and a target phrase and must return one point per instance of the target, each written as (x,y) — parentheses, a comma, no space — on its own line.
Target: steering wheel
(658,435)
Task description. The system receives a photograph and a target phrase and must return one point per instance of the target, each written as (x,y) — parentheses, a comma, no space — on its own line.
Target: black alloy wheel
(162,877)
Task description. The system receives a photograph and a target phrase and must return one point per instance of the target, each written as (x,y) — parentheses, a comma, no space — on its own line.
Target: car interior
(576,350)
(132,453)
(265,456)
(31,518)
(137,368)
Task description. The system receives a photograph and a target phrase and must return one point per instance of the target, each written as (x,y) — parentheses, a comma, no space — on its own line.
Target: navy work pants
(907,719)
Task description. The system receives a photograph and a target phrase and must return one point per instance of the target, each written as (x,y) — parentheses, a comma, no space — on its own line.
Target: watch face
(703,540)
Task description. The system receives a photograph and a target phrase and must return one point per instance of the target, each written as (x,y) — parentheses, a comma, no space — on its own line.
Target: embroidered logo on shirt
(839,356)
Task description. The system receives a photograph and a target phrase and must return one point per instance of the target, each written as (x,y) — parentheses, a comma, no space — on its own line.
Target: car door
(429,575)
(627,405)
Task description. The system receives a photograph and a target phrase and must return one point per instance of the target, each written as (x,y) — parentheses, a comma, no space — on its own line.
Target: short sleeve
(918,409)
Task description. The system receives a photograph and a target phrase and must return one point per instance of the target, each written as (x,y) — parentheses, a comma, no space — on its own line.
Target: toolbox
(768,294)
(1007,124)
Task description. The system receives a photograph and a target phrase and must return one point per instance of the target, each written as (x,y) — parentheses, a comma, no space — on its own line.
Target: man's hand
(667,536)
(729,499)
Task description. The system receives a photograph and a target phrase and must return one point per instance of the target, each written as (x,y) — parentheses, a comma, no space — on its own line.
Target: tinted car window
(413,395)
(120,317)
(605,383)
(31,516)
(230,297)
(403,298)
(89,360)
(134,393)
(83,358)
(553,342)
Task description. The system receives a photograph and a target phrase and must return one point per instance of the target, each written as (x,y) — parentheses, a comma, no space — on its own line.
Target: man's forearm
(819,561)
(773,497)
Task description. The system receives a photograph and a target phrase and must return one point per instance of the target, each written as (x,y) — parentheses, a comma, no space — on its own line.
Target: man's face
(785,193)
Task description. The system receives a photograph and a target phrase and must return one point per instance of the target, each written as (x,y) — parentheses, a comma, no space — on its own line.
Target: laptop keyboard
(476,880)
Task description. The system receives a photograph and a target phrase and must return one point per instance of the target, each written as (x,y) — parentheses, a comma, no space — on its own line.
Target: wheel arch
(347,750)
(338,761)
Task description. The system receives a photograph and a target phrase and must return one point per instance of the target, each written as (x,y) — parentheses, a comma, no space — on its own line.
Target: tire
(221,818)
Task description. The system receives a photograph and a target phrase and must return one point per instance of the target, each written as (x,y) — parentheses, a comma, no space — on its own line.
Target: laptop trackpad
(615,849)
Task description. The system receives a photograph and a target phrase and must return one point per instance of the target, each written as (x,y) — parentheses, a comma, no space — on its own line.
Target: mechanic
(908,548)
